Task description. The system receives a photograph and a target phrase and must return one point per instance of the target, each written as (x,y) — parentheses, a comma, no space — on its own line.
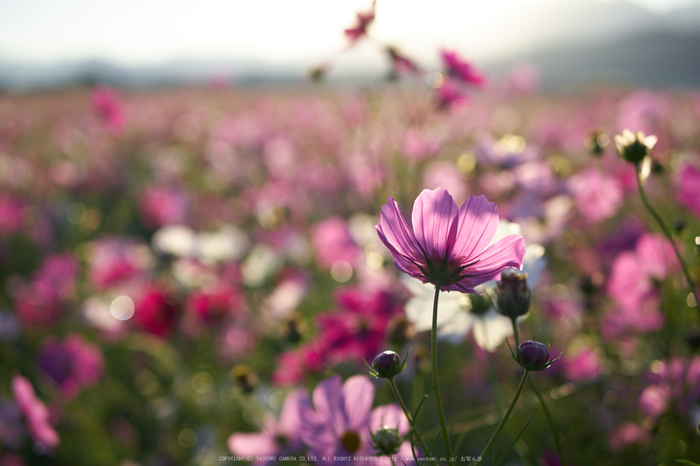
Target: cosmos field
(205,275)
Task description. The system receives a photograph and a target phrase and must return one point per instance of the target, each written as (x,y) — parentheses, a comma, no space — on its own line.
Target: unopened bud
(387,365)
(534,356)
(513,294)
(386,441)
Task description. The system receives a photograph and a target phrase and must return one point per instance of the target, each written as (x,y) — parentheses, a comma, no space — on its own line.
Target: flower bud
(634,147)
(597,142)
(534,356)
(513,294)
(386,441)
(387,365)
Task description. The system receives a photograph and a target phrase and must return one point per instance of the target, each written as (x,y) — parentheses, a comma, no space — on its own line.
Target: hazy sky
(156,31)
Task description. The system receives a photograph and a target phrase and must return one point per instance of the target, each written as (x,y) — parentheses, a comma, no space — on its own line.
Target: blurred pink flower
(11,215)
(107,104)
(627,434)
(584,365)
(338,423)
(154,310)
(356,331)
(671,383)
(35,413)
(277,438)
(597,196)
(689,192)
(41,301)
(333,243)
(462,70)
(450,95)
(72,364)
(359,30)
(632,287)
(449,246)
(215,303)
(114,261)
(400,63)
(163,206)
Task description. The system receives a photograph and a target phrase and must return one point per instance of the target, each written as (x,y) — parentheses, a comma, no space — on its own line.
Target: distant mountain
(19,77)
(653,59)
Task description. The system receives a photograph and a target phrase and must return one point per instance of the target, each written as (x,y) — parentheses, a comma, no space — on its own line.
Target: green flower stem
(436,382)
(517,338)
(495,435)
(407,413)
(555,432)
(667,233)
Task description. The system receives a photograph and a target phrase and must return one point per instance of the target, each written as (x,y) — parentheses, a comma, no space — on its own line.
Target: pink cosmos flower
(461,70)
(333,243)
(674,382)
(597,196)
(278,438)
(339,423)
(35,413)
(107,104)
(41,301)
(364,19)
(154,311)
(449,246)
(689,194)
(627,434)
(72,364)
(449,95)
(358,329)
(400,63)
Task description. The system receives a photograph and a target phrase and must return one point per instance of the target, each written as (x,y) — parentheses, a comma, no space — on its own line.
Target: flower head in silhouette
(449,246)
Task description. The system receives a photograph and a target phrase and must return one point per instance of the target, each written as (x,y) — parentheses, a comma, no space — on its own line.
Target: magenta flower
(72,364)
(278,438)
(461,70)
(338,425)
(449,246)
(35,413)
(359,30)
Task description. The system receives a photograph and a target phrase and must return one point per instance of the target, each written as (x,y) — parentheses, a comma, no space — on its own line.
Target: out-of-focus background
(132,43)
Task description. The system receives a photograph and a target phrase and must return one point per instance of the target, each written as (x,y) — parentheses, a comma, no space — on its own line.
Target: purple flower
(338,424)
(449,246)
(278,438)
(35,413)
(72,364)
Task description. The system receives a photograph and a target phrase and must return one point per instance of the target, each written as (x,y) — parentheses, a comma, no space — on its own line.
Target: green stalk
(407,413)
(436,382)
(555,432)
(667,233)
(495,435)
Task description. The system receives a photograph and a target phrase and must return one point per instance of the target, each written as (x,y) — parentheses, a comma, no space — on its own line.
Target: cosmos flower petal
(389,416)
(505,253)
(435,222)
(395,233)
(328,401)
(251,444)
(478,221)
(358,392)
(289,417)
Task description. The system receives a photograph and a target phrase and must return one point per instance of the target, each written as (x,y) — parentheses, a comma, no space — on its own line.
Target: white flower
(455,320)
